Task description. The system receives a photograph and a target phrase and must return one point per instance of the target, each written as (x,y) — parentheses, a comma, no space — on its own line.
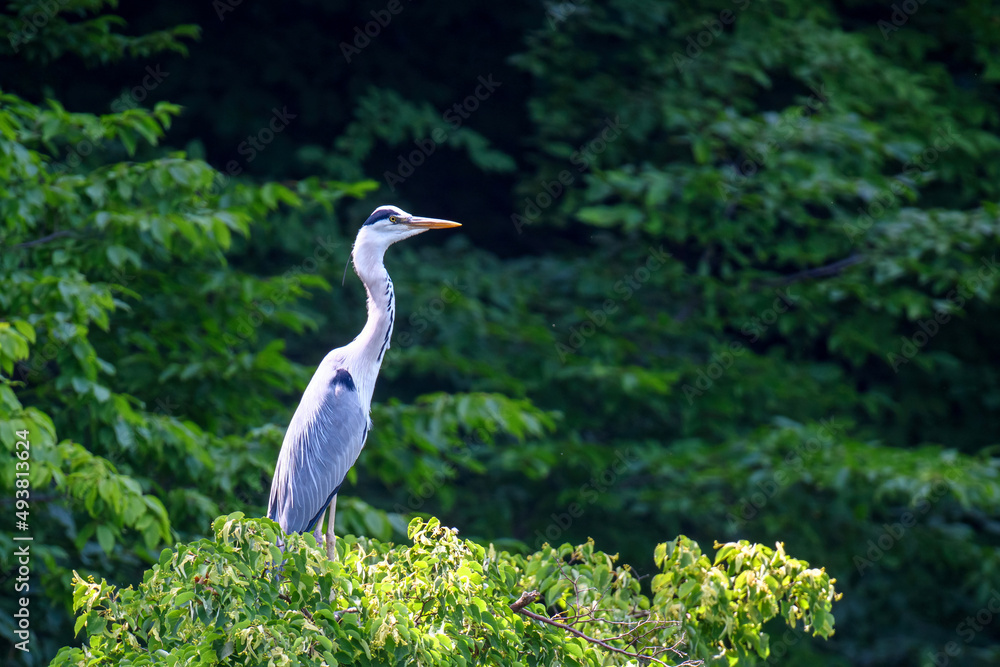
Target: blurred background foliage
(727,269)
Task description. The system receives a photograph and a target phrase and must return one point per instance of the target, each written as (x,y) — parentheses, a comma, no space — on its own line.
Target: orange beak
(430,223)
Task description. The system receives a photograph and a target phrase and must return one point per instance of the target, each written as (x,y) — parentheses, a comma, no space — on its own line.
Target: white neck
(371,345)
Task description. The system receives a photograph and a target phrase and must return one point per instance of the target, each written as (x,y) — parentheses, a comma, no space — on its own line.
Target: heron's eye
(392,218)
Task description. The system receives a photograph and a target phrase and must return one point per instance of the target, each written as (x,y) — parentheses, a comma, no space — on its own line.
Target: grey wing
(323,441)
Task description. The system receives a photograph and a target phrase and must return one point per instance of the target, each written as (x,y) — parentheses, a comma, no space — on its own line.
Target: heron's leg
(331,539)
(318,532)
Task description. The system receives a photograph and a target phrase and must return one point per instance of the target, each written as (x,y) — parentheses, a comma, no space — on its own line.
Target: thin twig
(527,597)
(45,239)
(305,612)
(339,614)
(806,274)
(592,640)
(820,271)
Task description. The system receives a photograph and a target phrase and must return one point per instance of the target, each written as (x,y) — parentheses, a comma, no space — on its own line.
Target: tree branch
(305,612)
(528,597)
(820,271)
(805,274)
(592,640)
(45,239)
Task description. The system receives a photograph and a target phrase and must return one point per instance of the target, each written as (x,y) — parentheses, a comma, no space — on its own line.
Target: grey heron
(331,423)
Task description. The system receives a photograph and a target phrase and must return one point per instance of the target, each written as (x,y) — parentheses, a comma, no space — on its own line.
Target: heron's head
(388,224)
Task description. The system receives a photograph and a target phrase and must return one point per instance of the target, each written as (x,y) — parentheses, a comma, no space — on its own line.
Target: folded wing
(323,441)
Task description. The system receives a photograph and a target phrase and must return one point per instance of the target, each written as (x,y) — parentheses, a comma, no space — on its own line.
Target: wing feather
(324,439)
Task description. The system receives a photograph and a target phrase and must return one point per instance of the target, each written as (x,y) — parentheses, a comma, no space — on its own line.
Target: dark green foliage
(728,270)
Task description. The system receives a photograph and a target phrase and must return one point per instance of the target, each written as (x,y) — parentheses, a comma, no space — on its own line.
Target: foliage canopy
(441,601)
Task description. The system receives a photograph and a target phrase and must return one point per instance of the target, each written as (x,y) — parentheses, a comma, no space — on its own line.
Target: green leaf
(106,538)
